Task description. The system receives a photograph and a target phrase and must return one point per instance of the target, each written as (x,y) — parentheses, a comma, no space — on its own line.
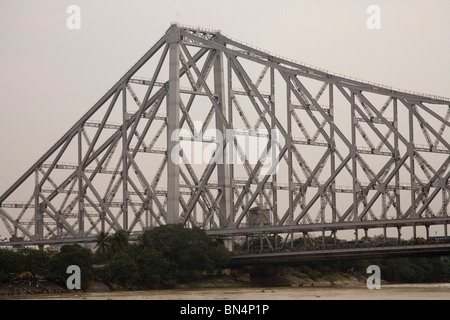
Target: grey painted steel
(173,119)
(394,149)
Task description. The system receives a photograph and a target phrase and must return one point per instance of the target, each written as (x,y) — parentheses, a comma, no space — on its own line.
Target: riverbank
(285,284)
(236,280)
(336,292)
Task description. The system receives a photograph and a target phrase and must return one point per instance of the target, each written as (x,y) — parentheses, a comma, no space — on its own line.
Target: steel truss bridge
(347,154)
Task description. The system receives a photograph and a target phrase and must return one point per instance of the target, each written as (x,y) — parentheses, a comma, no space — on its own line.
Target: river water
(439,291)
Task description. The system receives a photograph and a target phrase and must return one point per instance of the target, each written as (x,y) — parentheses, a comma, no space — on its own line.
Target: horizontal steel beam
(350,225)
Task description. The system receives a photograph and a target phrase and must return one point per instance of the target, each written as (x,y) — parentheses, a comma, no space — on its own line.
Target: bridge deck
(389,251)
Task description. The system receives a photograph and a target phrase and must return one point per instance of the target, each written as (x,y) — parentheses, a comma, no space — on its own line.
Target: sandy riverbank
(26,290)
(336,292)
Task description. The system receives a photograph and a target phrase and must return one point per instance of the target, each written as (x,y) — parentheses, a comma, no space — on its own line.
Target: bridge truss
(347,154)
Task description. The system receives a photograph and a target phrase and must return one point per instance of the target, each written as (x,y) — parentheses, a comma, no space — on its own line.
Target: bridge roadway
(288,255)
(298,255)
(318,254)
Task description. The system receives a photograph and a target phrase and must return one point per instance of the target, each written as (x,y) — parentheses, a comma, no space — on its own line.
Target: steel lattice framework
(350,154)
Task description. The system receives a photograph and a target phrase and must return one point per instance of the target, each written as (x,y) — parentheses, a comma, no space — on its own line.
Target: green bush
(122,270)
(154,270)
(161,257)
(9,265)
(190,249)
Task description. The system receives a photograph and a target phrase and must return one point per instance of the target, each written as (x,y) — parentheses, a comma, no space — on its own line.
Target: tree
(34,261)
(122,269)
(155,270)
(71,255)
(189,248)
(119,242)
(9,265)
(103,245)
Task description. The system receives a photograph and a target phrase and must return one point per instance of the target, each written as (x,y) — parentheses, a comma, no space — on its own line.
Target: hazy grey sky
(50,75)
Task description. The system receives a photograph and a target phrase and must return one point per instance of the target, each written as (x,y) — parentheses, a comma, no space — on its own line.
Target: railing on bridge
(361,249)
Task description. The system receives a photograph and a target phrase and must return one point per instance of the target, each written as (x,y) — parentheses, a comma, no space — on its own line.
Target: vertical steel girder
(347,152)
(173,119)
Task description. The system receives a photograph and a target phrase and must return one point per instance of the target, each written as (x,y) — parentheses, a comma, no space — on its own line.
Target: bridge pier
(173,123)
(445,231)
(224,167)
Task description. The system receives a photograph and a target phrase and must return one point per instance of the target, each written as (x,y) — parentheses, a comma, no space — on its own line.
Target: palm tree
(119,241)
(103,244)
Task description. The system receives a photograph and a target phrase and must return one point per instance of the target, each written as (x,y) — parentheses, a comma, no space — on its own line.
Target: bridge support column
(323,238)
(38,211)
(274,175)
(332,155)
(411,161)
(173,123)
(124,161)
(223,167)
(354,123)
(81,210)
(445,231)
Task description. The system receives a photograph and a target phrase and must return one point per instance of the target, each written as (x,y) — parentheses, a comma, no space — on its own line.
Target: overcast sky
(50,75)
